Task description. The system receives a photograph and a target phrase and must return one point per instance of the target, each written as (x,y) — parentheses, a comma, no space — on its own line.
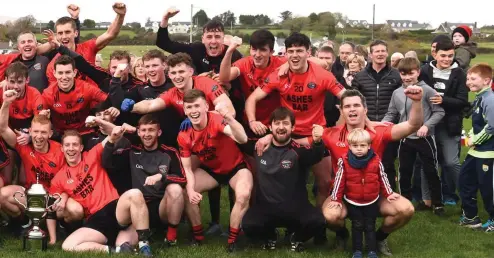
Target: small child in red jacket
(359,179)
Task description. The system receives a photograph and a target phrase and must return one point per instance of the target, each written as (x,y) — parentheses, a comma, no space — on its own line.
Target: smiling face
(72,149)
(65,75)
(40,133)
(353,111)
(282,130)
(213,41)
(66,35)
(17,83)
(181,75)
(410,78)
(149,133)
(155,71)
(445,58)
(26,44)
(476,83)
(261,55)
(196,111)
(297,58)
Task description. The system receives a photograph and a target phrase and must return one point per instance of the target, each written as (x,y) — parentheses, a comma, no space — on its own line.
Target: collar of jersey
(72,89)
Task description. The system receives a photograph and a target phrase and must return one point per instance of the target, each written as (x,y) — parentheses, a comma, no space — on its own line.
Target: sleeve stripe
(337,180)
(385,179)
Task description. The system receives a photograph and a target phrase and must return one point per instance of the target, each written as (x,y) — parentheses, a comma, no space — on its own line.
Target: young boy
(476,171)
(359,180)
(422,142)
(465,51)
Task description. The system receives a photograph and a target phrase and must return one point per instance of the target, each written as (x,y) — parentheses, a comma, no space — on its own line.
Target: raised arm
(233,128)
(227,72)
(148,106)
(7,134)
(416,118)
(97,75)
(112,32)
(163,40)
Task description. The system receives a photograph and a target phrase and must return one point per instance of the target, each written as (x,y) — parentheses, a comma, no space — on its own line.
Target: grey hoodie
(400,106)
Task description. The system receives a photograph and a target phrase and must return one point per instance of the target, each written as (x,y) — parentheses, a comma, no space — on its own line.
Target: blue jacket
(483,125)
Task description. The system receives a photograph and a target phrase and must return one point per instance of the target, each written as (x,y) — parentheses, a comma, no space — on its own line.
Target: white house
(179,27)
(404,25)
(154,25)
(103,25)
(448,27)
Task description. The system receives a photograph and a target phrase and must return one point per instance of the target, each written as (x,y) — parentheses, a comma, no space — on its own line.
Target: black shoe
(125,248)
(297,247)
(421,206)
(195,242)
(340,243)
(169,243)
(232,247)
(439,211)
(269,245)
(213,229)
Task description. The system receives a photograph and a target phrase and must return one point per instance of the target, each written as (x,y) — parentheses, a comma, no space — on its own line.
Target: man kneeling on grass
(108,216)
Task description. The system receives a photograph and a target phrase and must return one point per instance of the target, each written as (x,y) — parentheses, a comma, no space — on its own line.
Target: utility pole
(191,21)
(373,19)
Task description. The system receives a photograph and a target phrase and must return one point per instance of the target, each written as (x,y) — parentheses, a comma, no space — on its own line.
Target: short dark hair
(377,43)
(445,45)
(16,69)
(408,64)
(350,44)
(193,94)
(213,26)
(68,133)
(178,58)
(154,53)
(64,60)
(327,49)
(65,20)
(120,55)
(261,38)
(353,93)
(148,119)
(281,113)
(297,39)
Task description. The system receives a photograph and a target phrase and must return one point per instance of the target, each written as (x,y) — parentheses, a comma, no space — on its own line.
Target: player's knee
(68,246)
(4,195)
(332,215)
(135,196)
(242,197)
(74,211)
(174,192)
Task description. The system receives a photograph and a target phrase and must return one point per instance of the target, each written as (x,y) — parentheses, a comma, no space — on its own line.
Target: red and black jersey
(252,77)
(360,186)
(304,94)
(42,165)
(69,110)
(215,149)
(87,183)
(175,98)
(4,155)
(23,109)
(335,140)
(87,49)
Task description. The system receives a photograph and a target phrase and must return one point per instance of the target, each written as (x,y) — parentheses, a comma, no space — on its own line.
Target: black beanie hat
(440,37)
(464,30)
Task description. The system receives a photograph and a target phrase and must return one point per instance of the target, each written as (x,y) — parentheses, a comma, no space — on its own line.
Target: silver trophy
(35,208)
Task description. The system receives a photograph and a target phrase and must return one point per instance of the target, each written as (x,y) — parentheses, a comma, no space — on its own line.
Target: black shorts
(4,154)
(296,137)
(105,221)
(153,205)
(224,179)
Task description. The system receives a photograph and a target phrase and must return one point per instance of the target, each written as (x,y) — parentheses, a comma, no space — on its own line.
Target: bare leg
(51,224)
(172,205)
(334,216)
(204,182)
(85,239)
(9,205)
(396,214)
(242,185)
(132,209)
(127,235)
(322,172)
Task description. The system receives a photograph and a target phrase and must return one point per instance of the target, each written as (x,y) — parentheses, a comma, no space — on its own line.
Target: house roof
(181,23)
(103,23)
(4,45)
(448,27)
(409,24)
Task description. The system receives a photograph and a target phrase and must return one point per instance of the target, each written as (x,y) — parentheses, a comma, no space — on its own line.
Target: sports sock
(143,237)
(232,237)
(214,204)
(381,235)
(171,234)
(198,232)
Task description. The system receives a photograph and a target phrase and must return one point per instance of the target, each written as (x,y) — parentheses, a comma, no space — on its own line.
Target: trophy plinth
(35,208)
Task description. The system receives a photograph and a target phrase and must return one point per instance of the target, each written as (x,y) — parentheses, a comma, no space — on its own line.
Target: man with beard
(41,159)
(71,100)
(213,138)
(303,91)
(180,72)
(66,34)
(281,198)
(28,103)
(108,216)
(156,171)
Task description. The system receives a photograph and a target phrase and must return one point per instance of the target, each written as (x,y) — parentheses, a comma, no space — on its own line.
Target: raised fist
(73,10)
(119,8)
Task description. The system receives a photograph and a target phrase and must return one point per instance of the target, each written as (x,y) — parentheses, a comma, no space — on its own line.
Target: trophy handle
(56,201)
(20,203)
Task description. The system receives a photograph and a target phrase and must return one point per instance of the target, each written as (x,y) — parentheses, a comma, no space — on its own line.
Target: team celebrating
(132,148)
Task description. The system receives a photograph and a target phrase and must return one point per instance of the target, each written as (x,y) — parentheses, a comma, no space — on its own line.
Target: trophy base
(33,244)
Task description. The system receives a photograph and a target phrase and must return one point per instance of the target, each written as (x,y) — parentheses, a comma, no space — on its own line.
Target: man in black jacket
(449,80)
(338,68)
(377,82)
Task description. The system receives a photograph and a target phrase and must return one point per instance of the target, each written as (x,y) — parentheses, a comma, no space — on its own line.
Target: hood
(449,69)
(471,47)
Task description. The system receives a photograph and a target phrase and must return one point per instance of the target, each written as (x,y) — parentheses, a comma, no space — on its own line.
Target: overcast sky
(434,12)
